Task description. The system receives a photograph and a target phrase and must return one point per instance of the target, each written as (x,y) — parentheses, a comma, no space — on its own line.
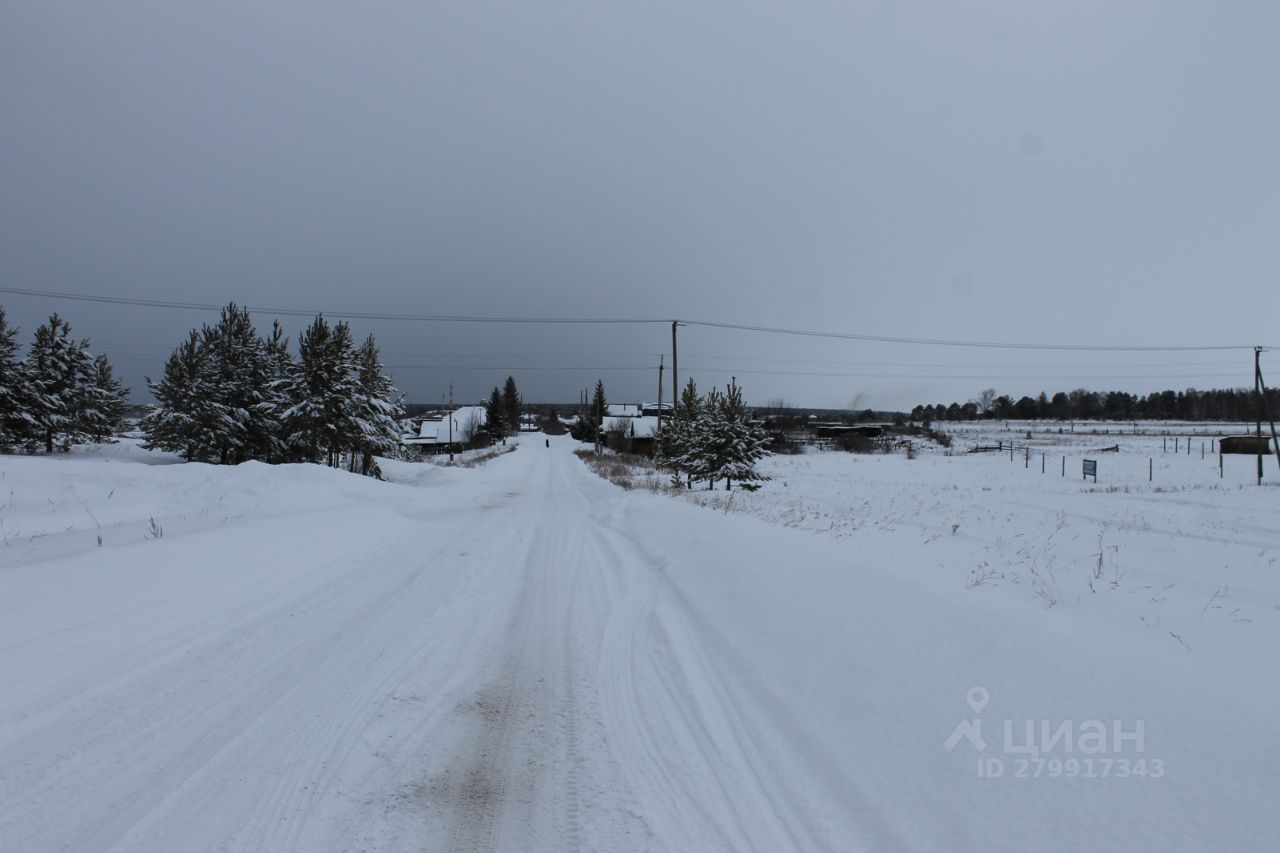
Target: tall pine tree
(377,408)
(511,406)
(15,421)
(495,414)
(321,418)
(280,367)
(238,378)
(55,370)
(182,421)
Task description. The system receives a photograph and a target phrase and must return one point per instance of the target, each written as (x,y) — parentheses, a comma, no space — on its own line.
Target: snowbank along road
(524,657)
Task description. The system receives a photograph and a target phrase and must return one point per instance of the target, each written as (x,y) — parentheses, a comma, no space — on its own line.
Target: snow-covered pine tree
(511,406)
(677,431)
(377,410)
(495,412)
(54,369)
(739,443)
(102,400)
(238,378)
(703,454)
(280,367)
(182,419)
(15,421)
(323,389)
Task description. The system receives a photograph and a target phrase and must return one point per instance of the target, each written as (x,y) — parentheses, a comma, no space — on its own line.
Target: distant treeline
(1227,404)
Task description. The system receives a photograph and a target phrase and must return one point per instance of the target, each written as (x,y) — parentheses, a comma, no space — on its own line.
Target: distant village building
(633,434)
(440,431)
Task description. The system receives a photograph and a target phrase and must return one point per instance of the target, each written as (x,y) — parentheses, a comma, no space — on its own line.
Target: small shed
(1247,445)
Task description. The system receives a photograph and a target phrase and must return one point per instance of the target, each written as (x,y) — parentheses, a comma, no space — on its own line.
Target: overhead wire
(498,319)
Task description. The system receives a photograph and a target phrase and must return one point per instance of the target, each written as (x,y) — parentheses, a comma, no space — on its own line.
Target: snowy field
(952,652)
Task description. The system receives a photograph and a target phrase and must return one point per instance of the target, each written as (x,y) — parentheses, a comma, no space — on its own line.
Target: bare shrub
(628,470)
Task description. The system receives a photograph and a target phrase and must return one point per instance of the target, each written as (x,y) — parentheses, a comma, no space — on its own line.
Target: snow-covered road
(525,657)
(467,675)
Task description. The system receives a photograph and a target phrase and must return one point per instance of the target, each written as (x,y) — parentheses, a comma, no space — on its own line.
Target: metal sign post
(1090,469)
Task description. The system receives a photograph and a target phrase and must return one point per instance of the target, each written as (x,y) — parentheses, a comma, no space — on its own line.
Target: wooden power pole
(1262,400)
(1257,387)
(659,430)
(675,365)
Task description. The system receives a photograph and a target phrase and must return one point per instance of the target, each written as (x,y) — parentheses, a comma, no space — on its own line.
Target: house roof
(636,427)
(435,430)
(623,410)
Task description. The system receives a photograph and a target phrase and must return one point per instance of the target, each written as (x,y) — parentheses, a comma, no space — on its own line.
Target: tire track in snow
(700,767)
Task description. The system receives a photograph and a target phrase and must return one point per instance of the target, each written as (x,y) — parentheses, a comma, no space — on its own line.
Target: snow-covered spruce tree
(238,377)
(495,412)
(102,400)
(321,419)
(54,370)
(377,410)
(511,406)
(182,420)
(15,420)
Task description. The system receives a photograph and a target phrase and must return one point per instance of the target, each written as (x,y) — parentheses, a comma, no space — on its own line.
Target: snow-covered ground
(522,656)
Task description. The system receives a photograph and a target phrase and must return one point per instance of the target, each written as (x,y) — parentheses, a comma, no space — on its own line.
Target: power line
(943,342)
(872,363)
(498,368)
(301,312)
(466,318)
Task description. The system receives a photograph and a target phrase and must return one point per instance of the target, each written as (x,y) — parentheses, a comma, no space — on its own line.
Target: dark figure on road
(548,442)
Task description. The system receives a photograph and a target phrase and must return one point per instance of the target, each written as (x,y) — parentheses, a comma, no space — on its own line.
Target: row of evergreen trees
(1226,404)
(711,438)
(59,393)
(228,396)
(502,412)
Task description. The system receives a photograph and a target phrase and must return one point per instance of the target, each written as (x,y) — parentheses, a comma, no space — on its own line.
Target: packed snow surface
(870,653)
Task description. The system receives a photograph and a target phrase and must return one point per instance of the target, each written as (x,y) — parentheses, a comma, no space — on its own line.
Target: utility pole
(1257,387)
(675,365)
(449,415)
(659,430)
(1262,386)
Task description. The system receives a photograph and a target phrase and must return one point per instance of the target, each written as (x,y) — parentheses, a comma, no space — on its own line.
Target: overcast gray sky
(1075,172)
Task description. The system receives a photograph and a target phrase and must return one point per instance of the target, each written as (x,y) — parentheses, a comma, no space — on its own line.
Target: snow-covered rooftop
(636,427)
(435,430)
